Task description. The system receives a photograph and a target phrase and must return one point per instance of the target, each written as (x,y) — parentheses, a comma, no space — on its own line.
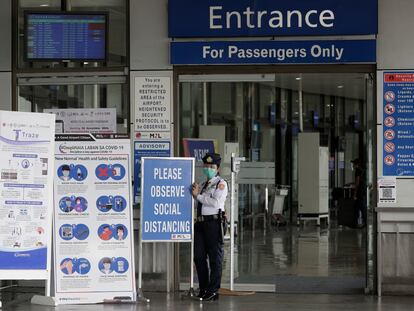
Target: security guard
(208,240)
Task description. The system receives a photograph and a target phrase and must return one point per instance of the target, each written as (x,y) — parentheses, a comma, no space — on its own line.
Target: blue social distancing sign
(166,201)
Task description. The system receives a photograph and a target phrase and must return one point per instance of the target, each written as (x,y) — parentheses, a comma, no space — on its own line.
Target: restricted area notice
(152,104)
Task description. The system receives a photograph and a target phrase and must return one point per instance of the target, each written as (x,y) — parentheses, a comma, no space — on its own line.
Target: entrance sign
(273,52)
(147,149)
(398,124)
(197,148)
(97,121)
(93,224)
(166,200)
(26,204)
(253,18)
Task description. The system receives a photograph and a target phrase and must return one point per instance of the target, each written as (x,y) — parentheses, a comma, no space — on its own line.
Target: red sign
(389,122)
(399,77)
(389,109)
(389,160)
(389,134)
(389,147)
(389,96)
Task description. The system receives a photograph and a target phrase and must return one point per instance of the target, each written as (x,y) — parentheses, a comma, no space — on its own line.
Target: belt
(207,218)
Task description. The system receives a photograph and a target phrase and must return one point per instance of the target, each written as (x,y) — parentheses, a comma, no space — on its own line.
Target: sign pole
(235,168)
(232,226)
(192,242)
(140,294)
(192,293)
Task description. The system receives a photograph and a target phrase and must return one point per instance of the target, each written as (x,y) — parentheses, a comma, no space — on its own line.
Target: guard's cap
(212,158)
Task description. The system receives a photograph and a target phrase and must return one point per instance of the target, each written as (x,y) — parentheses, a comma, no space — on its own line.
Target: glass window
(36,98)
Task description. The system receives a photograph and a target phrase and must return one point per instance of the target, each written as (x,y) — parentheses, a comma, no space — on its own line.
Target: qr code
(387,193)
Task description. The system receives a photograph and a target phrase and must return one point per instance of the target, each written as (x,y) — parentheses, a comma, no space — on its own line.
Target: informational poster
(166,200)
(94,248)
(398,124)
(387,190)
(197,148)
(98,121)
(147,149)
(26,187)
(152,107)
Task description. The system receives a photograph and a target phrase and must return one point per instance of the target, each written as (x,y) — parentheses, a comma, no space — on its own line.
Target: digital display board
(57,36)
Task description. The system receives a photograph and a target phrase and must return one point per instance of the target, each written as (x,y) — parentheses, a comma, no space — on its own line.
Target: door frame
(371,258)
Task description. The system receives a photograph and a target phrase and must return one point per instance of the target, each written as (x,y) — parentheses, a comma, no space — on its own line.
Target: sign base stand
(44,300)
(141,297)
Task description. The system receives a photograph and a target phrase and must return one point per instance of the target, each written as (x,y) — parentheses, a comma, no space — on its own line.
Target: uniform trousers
(208,244)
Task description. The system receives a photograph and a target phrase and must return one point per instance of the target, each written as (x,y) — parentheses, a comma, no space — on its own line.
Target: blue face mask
(209,172)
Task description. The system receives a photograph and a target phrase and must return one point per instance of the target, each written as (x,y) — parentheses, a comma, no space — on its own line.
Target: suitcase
(347,214)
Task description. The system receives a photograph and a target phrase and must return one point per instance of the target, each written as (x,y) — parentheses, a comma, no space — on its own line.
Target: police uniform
(208,239)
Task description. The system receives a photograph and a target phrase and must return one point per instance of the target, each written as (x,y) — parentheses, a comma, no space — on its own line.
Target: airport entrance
(307,136)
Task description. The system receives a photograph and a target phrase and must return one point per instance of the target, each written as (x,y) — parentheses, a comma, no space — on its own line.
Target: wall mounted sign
(253,18)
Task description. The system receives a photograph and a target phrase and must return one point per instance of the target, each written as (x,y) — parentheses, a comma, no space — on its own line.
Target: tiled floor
(306,259)
(262,302)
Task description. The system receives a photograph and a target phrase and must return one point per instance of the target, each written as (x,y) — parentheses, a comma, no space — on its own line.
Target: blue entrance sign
(166,201)
(273,52)
(197,148)
(253,18)
(147,149)
(398,124)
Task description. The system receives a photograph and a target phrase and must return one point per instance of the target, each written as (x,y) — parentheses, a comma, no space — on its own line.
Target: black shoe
(201,293)
(210,296)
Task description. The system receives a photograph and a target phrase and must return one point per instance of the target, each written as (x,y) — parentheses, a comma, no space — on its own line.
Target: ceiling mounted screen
(64,36)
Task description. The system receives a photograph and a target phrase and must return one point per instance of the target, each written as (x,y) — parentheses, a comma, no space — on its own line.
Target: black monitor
(66,36)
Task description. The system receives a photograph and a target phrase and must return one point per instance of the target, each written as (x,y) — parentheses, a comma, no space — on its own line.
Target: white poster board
(26,200)
(93,224)
(85,120)
(153,101)
(387,190)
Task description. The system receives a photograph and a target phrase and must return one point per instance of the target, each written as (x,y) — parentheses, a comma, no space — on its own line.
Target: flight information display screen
(65,36)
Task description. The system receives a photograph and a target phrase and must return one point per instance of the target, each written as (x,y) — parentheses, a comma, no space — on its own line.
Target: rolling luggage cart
(276,216)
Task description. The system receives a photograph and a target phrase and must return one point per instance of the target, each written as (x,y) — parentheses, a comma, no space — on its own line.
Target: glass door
(263,115)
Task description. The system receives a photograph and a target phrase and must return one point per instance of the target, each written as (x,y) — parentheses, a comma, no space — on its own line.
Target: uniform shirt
(213,196)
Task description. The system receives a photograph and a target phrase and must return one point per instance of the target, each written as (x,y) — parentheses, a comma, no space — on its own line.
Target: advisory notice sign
(398,124)
(166,201)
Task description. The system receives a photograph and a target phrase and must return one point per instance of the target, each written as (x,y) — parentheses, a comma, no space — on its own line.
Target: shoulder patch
(221,186)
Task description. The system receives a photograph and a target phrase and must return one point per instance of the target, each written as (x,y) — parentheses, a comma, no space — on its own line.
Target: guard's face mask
(209,172)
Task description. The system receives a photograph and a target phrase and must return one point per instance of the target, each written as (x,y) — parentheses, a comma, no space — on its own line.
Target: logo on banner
(389,96)
(389,122)
(389,109)
(389,147)
(389,134)
(389,160)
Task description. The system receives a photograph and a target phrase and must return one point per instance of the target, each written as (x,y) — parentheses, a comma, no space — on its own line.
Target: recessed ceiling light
(44,5)
(298,78)
(340,86)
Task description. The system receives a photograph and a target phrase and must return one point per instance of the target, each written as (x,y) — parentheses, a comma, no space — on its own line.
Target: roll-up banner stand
(166,205)
(26,181)
(93,223)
